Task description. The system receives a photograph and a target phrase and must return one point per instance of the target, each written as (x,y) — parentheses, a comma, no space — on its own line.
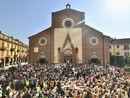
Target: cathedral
(69,39)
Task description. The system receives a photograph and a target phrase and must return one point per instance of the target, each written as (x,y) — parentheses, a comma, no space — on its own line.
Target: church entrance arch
(68,56)
(94,58)
(42,59)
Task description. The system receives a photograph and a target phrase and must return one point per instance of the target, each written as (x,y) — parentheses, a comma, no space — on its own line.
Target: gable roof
(67,10)
(89,27)
(40,32)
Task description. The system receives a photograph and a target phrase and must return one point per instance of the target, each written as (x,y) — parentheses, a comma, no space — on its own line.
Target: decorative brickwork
(78,42)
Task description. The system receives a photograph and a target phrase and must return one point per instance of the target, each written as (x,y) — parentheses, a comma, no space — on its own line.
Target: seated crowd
(65,81)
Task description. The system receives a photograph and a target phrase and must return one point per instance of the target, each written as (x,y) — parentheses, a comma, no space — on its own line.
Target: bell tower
(68,6)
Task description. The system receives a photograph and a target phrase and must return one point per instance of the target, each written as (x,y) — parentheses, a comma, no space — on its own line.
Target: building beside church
(69,39)
(120,48)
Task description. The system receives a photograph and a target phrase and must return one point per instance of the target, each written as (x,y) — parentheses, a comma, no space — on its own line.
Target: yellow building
(120,47)
(12,51)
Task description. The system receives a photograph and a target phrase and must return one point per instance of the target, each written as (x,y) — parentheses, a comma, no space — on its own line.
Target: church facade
(69,39)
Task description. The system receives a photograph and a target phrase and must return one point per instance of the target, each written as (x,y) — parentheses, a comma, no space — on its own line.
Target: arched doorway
(68,56)
(42,59)
(94,59)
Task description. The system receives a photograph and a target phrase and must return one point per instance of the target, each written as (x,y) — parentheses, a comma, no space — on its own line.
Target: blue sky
(23,18)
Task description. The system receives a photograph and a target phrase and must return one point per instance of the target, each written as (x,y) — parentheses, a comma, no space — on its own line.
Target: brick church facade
(69,39)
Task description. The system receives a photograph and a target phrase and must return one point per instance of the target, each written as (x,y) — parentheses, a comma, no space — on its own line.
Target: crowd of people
(65,81)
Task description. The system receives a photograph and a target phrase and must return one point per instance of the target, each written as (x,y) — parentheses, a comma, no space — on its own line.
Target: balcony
(12,49)
(3,48)
(18,50)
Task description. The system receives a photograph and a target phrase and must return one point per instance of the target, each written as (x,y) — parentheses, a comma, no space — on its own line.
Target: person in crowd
(65,80)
